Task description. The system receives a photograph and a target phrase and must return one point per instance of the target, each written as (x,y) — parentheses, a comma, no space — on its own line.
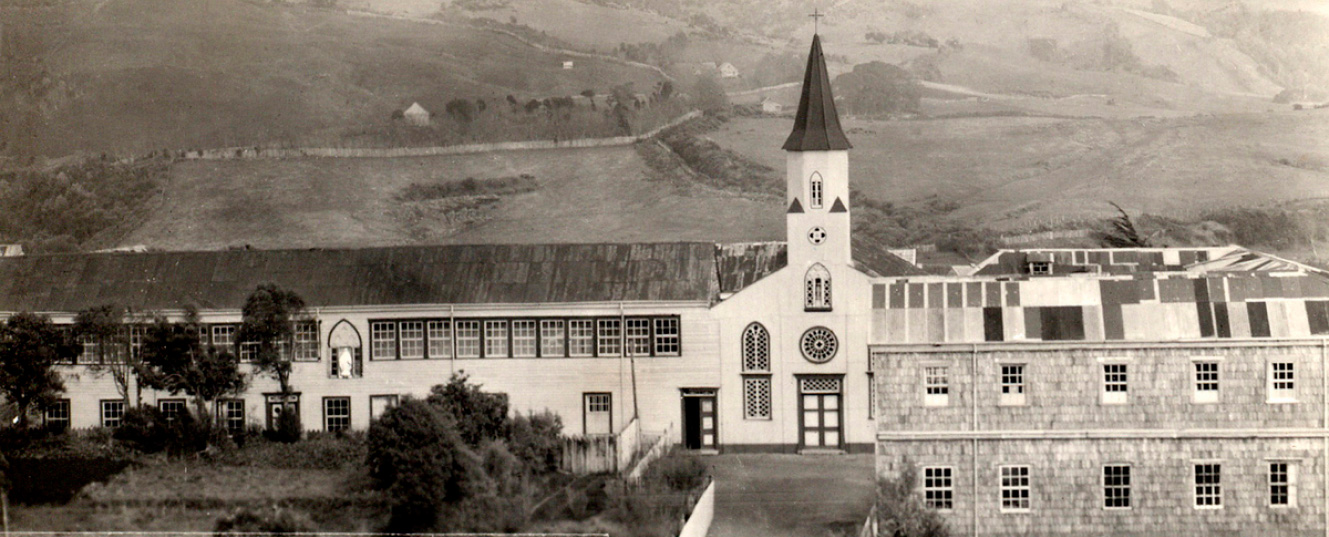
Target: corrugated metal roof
(457,274)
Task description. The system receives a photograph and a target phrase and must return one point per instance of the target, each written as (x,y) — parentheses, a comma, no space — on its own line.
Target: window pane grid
(1114,378)
(468,339)
(336,414)
(233,415)
(171,409)
(306,341)
(638,337)
(383,341)
(1012,379)
(1280,483)
(1015,487)
(666,336)
(496,339)
(1206,376)
(524,340)
(935,380)
(412,334)
(597,402)
(609,337)
(440,339)
(938,488)
(756,348)
(1117,486)
(1208,485)
(1283,376)
(551,338)
(112,413)
(581,337)
(57,414)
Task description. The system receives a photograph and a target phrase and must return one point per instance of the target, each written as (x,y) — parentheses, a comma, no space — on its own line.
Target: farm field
(132,76)
(583,195)
(1015,172)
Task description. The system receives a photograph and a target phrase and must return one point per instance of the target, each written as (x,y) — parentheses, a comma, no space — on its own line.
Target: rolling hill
(130,76)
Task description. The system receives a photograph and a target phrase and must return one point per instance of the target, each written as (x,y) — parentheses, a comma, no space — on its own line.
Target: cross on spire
(816,18)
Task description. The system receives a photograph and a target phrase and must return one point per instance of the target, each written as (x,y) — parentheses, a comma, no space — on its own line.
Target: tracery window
(817,284)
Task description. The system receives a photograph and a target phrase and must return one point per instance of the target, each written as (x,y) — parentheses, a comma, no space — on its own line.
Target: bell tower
(817,175)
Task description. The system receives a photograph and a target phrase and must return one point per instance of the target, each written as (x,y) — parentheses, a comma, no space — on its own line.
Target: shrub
(900,510)
(288,429)
(415,455)
(146,429)
(479,416)
(677,472)
(536,440)
(257,522)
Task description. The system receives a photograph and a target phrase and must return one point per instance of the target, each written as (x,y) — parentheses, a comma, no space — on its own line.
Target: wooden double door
(820,409)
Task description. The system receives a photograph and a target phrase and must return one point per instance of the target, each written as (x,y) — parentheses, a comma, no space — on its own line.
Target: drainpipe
(1324,432)
(973,428)
(452,327)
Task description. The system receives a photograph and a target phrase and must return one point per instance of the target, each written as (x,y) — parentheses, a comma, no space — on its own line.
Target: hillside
(130,76)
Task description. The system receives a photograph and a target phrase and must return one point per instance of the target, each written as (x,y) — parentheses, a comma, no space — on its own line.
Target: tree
(415,455)
(30,346)
(879,88)
(900,510)
(1122,233)
(175,360)
(480,416)
(709,94)
(105,325)
(666,90)
(268,322)
(461,110)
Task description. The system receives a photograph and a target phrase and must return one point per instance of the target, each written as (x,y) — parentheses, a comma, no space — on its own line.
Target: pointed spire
(838,207)
(795,207)
(817,125)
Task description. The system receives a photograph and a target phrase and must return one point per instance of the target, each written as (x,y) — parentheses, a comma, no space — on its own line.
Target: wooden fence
(590,454)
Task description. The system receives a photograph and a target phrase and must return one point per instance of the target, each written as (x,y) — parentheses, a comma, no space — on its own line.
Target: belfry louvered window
(817,284)
(756,347)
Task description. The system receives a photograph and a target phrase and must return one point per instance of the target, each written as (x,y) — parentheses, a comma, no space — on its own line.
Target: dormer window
(1040,263)
(817,284)
(815,191)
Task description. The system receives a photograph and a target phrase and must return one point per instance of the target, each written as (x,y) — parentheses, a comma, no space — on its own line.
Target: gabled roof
(415,108)
(880,262)
(457,274)
(817,125)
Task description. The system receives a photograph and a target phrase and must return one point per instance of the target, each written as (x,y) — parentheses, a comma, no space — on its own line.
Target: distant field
(1015,172)
(585,24)
(138,75)
(587,195)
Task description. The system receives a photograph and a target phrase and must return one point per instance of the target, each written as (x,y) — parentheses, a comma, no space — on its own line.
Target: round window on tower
(819,345)
(817,235)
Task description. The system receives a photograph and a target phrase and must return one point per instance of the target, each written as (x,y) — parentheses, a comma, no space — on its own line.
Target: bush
(537,441)
(147,430)
(415,455)
(257,522)
(319,451)
(479,416)
(900,510)
(288,429)
(677,472)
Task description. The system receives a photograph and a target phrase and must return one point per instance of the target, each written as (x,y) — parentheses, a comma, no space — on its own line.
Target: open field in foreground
(790,495)
(583,195)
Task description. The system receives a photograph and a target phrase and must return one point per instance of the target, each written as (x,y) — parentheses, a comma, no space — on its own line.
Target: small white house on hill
(727,70)
(769,106)
(416,115)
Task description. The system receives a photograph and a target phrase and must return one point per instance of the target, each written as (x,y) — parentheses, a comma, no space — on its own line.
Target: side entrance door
(820,412)
(699,420)
(597,413)
(277,405)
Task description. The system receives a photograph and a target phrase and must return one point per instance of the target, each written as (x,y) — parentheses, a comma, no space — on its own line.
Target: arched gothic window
(815,191)
(817,286)
(756,349)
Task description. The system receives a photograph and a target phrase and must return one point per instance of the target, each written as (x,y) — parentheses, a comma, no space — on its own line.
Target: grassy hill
(130,76)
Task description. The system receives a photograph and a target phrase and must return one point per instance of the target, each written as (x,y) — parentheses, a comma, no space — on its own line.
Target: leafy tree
(30,346)
(900,510)
(175,360)
(480,416)
(1122,232)
(415,455)
(709,94)
(106,326)
(879,88)
(268,320)
(461,110)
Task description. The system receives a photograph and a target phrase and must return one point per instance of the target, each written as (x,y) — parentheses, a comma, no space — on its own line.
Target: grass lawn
(770,495)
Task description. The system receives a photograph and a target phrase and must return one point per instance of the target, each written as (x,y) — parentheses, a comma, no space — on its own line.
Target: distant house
(567,64)
(727,70)
(769,106)
(416,115)
(11,250)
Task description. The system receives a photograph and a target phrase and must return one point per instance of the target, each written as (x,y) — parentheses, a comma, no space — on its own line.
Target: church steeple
(817,125)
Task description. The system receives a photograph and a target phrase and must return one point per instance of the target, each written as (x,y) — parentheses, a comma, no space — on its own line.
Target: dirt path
(791,495)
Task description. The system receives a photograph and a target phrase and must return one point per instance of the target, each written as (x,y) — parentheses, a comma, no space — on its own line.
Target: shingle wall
(1063,389)
(1066,493)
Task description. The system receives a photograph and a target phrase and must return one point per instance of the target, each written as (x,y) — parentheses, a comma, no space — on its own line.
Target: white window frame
(496,338)
(1108,395)
(1290,483)
(936,385)
(1199,493)
(411,340)
(1106,486)
(179,405)
(467,333)
(816,191)
(637,336)
(1206,396)
(525,338)
(1277,377)
(112,422)
(1014,386)
(328,416)
(938,483)
(581,337)
(227,415)
(1021,477)
(382,340)
(59,413)
(665,338)
(306,336)
(608,337)
(438,333)
(553,338)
